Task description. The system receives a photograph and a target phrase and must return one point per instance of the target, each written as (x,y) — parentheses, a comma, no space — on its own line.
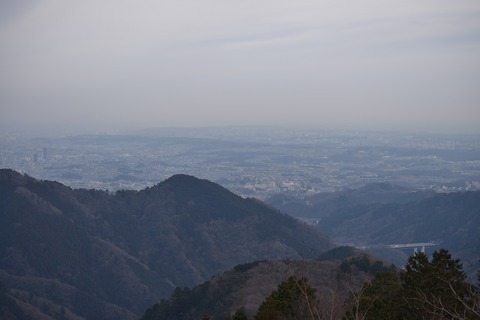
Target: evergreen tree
(240,314)
(436,289)
(293,299)
(379,299)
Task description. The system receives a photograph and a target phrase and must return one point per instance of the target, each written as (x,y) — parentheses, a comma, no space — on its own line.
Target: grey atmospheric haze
(120,64)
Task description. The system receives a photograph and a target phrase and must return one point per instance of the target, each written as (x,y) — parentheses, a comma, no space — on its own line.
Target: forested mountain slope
(96,255)
(452,220)
(324,204)
(334,277)
(382,214)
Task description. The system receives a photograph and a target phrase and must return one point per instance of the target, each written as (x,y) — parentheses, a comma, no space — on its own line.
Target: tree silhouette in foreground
(426,289)
(293,299)
(438,288)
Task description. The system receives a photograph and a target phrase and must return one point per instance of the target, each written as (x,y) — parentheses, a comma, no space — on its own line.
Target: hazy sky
(118,64)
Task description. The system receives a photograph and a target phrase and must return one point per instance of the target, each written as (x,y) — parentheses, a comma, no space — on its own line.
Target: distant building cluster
(297,164)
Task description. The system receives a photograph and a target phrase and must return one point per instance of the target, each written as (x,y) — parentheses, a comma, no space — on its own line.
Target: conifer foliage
(426,289)
(438,288)
(293,299)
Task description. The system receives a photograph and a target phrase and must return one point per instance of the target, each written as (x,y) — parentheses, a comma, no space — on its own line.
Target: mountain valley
(93,254)
(99,255)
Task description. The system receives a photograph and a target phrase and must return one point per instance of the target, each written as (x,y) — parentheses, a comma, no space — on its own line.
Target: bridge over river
(415,246)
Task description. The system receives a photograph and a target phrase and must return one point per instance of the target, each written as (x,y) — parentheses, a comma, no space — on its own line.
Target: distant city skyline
(119,65)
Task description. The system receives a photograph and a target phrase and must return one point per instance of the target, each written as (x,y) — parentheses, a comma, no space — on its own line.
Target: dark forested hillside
(382,214)
(90,254)
(327,203)
(244,287)
(452,220)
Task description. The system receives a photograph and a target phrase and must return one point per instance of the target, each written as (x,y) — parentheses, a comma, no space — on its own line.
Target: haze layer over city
(263,97)
(252,161)
(118,65)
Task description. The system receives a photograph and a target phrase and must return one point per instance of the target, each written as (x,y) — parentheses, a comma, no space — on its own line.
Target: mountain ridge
(383,214)
(93,246)
(334,276)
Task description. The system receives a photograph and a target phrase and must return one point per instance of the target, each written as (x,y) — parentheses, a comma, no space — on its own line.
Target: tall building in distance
(45,153)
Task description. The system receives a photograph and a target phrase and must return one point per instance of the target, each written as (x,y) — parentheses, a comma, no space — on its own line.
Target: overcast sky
(121,64)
